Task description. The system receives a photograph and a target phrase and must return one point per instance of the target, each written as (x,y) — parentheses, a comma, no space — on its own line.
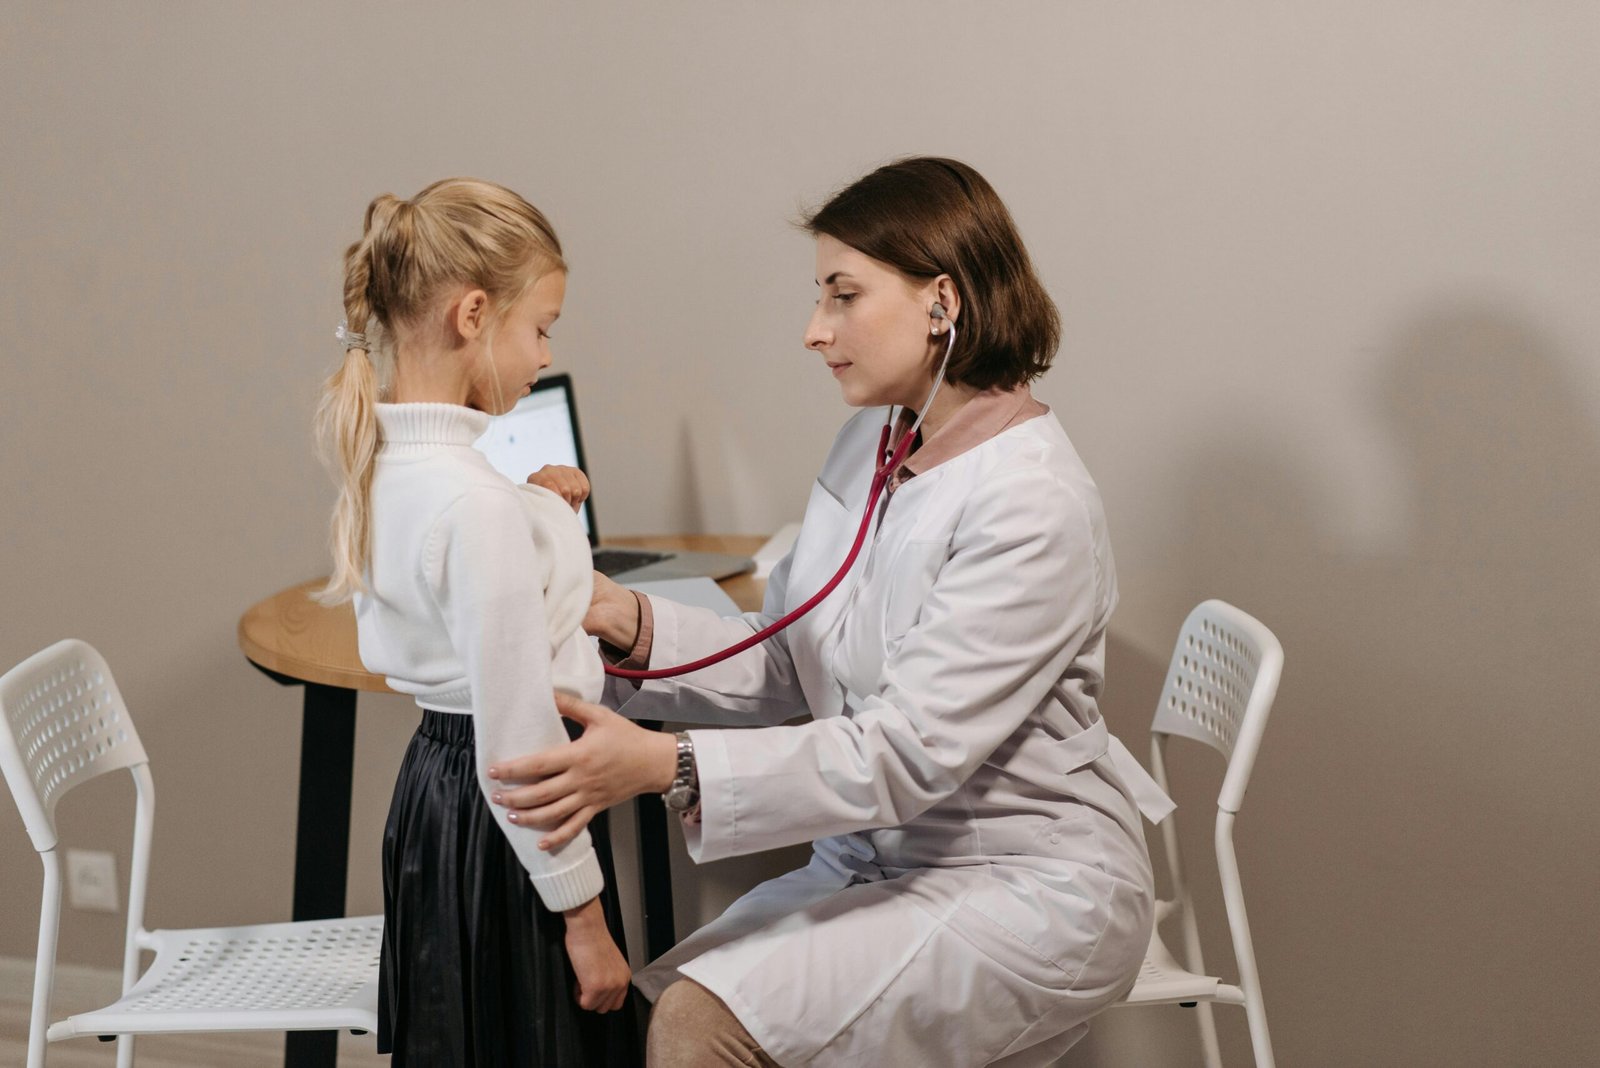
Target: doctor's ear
(946,305)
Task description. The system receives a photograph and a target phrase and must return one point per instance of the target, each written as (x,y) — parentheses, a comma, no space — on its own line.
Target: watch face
(681,797)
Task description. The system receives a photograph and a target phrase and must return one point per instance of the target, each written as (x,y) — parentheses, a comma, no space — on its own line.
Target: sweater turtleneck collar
(430,424)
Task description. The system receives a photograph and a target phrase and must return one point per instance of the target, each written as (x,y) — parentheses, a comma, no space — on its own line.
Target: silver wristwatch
(684,793)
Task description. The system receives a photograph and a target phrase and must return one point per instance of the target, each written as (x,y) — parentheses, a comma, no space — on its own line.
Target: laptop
(543,429)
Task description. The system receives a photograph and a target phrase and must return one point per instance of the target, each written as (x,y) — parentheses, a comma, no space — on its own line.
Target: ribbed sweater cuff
(570,887)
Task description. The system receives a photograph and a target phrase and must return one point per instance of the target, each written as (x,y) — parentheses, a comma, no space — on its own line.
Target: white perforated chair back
(1220,687)
(64,724)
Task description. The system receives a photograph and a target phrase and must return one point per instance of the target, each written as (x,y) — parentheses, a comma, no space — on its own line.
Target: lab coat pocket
(915,568)
(1054,896)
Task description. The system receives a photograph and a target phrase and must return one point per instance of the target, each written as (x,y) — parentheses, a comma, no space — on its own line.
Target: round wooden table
(298,642)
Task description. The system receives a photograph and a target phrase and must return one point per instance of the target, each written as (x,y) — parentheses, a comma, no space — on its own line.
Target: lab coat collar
(975,422)
(847,474)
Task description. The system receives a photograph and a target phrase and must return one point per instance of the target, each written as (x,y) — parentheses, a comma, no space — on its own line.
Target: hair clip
(350,338)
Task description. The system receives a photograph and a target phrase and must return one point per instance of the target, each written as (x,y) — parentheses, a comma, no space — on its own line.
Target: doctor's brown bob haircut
(926,216)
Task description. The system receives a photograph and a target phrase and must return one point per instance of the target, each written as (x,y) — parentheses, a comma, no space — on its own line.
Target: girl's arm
(602,972)
(484,573)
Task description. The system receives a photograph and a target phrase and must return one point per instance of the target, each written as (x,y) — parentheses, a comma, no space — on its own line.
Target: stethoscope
(888,463)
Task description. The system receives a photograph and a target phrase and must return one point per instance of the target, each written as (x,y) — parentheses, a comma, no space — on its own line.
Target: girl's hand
(613,614)
(564,787)
(571,484)
(603,975)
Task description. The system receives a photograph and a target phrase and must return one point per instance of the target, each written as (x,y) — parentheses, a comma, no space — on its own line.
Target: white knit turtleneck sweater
(476,590)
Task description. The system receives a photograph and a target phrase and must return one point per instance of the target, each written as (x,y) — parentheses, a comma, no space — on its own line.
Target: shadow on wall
(688,508)
(1420,858)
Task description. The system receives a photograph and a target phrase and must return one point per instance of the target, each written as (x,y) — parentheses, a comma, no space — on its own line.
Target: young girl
(469,591)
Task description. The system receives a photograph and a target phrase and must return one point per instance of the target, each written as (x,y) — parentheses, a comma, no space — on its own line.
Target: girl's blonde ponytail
(347,422)
(347,419)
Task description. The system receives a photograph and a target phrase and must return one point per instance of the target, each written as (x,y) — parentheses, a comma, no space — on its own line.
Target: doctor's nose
(816,337)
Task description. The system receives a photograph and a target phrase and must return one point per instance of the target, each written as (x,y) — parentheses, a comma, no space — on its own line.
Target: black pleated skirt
(474,970)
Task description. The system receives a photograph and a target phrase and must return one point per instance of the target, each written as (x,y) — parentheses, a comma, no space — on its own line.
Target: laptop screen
(541,429)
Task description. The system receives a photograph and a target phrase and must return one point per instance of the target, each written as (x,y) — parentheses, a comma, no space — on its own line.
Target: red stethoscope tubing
(880,478)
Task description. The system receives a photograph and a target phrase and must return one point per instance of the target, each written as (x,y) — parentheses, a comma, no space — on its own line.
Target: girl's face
(872,327)
(521,347)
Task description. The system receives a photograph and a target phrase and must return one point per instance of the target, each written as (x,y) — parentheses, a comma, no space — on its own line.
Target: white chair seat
(1163,980)
(319,975)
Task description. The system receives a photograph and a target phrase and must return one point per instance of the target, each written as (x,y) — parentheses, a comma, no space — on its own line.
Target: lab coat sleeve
(756,687)
(1010,609)
(484,572)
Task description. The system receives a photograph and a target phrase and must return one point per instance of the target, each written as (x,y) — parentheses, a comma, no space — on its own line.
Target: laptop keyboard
(616,561)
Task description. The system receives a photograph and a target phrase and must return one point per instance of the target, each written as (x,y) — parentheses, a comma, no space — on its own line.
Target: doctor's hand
(562,789)
(571,484)
(613,614)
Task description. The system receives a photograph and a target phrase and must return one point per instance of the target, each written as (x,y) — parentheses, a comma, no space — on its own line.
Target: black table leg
(322,835)
(655,870)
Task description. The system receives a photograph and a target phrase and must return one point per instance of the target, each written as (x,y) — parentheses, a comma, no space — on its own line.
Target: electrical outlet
(92,880)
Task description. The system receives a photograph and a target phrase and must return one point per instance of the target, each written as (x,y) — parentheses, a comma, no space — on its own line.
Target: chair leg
(144,818)
(1208,1035)
(1255,1012)
(44,968)
(1244,954)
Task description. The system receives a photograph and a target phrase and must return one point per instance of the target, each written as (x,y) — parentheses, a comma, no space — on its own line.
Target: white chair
(64,724)
(1219,691)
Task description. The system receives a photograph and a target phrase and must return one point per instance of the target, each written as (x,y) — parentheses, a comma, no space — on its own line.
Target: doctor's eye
(845,298)
(544,334)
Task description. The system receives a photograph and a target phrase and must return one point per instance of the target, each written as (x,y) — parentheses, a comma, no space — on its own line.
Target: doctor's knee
(690,1027)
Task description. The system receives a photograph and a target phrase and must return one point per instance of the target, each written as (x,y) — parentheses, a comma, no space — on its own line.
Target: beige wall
(1328,273)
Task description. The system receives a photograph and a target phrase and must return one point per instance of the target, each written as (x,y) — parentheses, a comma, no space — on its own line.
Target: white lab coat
(979,885)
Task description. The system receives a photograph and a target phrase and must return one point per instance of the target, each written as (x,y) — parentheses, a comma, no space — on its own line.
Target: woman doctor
(979,886)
